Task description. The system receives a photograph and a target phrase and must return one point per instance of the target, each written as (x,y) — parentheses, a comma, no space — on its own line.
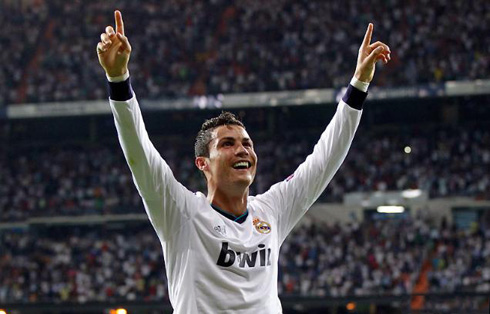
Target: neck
(235,204)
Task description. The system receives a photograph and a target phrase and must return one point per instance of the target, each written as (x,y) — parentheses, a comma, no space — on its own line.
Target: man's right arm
(164,198)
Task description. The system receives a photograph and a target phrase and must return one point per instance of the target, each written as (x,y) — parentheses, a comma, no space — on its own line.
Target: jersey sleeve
(166,201)
(291,198)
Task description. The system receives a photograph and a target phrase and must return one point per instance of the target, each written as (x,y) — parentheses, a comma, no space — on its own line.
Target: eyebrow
(230,138)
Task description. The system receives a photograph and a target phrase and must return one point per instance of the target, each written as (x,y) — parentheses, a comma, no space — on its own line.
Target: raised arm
(294,196)
(166,200)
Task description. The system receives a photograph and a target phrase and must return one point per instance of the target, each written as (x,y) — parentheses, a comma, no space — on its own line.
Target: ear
(201,163)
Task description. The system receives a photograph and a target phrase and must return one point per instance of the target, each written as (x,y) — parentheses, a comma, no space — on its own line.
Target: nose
(241,150)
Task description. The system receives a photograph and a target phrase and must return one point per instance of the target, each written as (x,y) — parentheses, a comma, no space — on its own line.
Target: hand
(114,48)
(369,54)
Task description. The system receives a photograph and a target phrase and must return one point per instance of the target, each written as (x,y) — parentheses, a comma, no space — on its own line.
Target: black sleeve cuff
(120,91)
(354,97)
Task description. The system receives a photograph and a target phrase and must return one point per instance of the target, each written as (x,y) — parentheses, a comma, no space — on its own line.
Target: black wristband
(120,91)
(354,97)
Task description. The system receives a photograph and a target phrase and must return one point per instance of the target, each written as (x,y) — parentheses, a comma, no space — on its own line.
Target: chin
(245,182)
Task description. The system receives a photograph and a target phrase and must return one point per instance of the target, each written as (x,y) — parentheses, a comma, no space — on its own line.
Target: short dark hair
(204,136)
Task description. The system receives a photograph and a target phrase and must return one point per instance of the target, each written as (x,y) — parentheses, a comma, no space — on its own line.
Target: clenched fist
(114,49)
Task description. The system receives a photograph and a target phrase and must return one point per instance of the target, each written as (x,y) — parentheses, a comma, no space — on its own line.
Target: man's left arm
(294,196)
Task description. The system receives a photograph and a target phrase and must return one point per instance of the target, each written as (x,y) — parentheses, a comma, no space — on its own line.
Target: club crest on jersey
(262,226)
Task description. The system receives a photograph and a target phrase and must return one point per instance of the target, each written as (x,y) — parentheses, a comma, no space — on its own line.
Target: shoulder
(266,202)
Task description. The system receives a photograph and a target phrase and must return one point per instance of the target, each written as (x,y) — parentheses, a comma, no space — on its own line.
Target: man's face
(232,161)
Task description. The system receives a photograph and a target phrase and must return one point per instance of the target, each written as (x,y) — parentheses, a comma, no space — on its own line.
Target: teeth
(241,164)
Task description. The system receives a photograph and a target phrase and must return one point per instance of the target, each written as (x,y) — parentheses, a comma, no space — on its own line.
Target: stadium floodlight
(390,209)
(351,306)
(412,193)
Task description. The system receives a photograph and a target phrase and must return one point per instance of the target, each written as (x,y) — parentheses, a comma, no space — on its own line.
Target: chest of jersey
(241,246)
(225,266)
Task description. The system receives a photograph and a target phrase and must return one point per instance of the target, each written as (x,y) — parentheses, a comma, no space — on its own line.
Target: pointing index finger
(367,37)
(119,22)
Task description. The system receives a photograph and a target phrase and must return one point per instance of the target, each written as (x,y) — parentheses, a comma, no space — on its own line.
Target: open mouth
(241,165)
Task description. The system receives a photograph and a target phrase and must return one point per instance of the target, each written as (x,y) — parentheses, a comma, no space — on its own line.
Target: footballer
(221,249)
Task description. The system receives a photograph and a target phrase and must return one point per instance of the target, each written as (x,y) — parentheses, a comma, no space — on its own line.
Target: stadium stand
(210,47)
(384,257)
(81,265)
(94,179)
(21,27)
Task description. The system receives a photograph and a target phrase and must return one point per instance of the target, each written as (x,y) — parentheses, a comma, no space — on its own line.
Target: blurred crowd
(384,257)
(65,182)
(21,29)
(444,161)
(81,265)
(368,258)
(460,261)
(183,47)
(94,179)
(381,257)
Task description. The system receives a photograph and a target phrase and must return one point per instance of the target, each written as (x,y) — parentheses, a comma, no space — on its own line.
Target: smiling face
(232,162)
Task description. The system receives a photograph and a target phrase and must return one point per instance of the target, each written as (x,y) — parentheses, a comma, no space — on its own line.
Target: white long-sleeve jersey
(214,264)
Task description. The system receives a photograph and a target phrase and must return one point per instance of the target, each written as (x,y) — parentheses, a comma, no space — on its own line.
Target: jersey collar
(239,219)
